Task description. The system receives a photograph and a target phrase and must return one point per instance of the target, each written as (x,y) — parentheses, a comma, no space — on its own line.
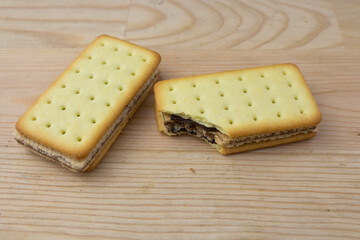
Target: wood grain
(65,23)
(185,24)
(232,24)
(347,14)
(151,186)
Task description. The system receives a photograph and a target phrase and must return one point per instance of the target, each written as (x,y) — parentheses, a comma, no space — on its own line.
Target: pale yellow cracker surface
(242,102)
(75,112)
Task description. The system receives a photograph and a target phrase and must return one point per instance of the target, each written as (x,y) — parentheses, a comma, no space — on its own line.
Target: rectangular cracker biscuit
(76,120)
(240,110)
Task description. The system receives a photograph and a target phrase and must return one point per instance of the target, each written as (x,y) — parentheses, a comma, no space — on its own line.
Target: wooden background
(151,186)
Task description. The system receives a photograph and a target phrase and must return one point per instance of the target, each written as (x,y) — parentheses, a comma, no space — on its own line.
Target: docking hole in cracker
(240,110)
(76,120)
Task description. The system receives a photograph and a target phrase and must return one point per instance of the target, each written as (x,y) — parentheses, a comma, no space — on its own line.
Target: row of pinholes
(91,98)
(116,49)
(63,131)
(120,88)
(221,94)
(267,87)
(77,92)
(103,62)
(91,76)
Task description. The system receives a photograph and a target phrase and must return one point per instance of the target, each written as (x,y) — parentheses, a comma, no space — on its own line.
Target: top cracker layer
(78,108)
(243,102)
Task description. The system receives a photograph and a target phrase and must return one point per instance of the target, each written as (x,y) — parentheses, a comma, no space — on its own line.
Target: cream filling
(273,136)
(79,164)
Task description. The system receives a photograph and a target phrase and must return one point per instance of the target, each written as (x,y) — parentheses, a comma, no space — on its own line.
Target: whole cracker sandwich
(241,110)
(76,120)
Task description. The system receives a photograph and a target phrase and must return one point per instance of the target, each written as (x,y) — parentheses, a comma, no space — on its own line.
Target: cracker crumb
(193,170)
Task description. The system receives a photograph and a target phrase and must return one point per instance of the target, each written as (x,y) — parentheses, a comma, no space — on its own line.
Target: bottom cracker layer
(176,125)
(90,162)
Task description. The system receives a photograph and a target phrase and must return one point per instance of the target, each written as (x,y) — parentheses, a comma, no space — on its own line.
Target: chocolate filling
(178,125)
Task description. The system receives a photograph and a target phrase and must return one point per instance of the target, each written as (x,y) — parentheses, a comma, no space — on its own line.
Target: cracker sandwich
(241,110)
(76,120)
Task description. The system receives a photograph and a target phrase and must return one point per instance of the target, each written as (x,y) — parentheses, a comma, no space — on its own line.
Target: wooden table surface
(151,186)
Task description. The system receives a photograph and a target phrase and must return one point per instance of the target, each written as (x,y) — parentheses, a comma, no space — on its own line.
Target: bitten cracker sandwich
(241,110)
(76,120)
